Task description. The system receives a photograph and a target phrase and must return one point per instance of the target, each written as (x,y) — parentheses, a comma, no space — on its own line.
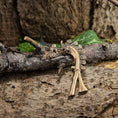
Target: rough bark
(59,20)
(56,20)
(14,61)
(105,19)
(9,22)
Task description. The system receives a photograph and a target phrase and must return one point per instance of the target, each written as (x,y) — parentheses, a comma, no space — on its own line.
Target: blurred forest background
(56,20)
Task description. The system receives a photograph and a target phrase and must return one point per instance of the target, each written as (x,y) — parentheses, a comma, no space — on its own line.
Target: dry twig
(77,74)
(30,40)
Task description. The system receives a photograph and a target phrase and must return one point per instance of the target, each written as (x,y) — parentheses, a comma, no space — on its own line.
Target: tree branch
(15,61)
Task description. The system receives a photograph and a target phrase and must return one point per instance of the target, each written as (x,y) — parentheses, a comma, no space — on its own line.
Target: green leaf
(87,38)
(58,45)
(26,47)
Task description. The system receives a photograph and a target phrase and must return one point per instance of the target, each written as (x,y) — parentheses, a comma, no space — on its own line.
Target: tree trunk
(105,19)
(59,20)
(9,22)
(55,20)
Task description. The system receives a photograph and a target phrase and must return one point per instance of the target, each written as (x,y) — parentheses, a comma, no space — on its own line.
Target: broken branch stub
(28,39)
(39,47)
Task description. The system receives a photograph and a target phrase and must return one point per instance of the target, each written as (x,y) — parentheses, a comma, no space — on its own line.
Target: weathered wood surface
(45,94)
